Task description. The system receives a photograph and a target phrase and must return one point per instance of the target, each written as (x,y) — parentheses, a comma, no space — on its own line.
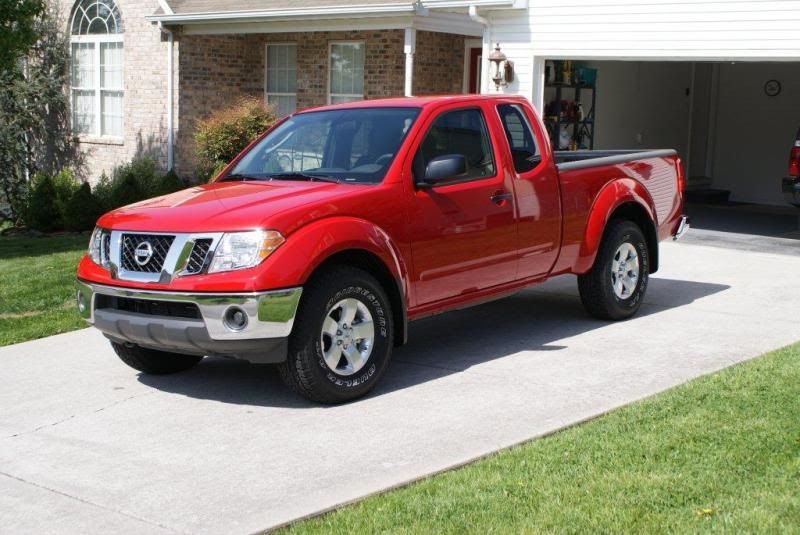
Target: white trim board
(453,23)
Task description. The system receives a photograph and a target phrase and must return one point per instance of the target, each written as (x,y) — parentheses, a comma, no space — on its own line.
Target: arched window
(97,75)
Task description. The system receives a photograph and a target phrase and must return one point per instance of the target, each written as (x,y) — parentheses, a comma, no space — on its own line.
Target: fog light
(235,319)
(81,302)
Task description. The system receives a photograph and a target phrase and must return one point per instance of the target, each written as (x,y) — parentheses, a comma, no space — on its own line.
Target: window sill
(100,140)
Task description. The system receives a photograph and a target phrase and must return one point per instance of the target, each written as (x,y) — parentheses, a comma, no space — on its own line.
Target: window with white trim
(280,85)
(346,72)
(97,85)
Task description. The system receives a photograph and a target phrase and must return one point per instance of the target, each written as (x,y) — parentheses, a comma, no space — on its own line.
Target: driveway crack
(90,503)
(70,417)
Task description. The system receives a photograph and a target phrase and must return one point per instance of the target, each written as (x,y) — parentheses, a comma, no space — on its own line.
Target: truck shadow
(537,319)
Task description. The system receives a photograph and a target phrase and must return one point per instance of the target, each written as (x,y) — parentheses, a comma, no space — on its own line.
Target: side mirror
(444,168)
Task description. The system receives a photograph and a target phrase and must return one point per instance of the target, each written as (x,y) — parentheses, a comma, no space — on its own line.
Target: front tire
(342,339)
(615,286)
(152,361)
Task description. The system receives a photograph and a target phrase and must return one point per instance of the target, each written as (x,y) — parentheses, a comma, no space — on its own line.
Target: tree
(34,112)
(18,29)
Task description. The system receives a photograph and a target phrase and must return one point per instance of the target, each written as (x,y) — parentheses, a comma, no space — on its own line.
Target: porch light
(503,69)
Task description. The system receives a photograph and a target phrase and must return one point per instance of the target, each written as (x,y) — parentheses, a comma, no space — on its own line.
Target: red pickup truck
(319,243)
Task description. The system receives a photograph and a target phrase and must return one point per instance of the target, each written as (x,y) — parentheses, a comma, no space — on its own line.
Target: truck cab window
(520,137)
(458,132)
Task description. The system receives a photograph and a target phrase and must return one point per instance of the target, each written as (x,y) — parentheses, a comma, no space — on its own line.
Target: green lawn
(719,454)
(37,290)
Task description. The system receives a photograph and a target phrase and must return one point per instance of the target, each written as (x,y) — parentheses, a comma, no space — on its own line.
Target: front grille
(170,309)
(198,257)
(153,249)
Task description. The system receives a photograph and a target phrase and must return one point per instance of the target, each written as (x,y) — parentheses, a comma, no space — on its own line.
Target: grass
(37,286)
(719,454)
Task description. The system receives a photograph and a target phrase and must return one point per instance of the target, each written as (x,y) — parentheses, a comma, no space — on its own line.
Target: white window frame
(97,39)
(330,78)
(266,73)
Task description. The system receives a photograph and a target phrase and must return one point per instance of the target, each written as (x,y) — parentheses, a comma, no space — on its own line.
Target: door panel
(463,234)
(537,192)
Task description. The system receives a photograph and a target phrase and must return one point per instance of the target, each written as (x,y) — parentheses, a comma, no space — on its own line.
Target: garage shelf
(581,130)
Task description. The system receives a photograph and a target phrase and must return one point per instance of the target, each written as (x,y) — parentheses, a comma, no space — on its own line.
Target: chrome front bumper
(269,315)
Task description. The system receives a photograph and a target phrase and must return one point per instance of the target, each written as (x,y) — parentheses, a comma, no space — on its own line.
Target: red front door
(463,235)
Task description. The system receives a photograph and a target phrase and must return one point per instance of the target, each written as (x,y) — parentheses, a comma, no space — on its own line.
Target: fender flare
(611,197)
(310,246)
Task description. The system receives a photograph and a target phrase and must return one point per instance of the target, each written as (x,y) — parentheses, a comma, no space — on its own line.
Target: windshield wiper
(303,176)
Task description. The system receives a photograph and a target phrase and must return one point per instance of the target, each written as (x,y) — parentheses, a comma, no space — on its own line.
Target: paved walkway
(88,445)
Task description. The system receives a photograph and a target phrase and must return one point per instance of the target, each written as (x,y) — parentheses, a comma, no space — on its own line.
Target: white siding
(723,30)
(674,29)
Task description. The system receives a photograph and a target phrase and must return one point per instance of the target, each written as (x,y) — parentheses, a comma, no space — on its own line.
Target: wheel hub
(625,270)
(347,336)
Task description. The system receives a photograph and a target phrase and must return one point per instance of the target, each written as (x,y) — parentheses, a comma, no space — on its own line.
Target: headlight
(99,245)
(240,250)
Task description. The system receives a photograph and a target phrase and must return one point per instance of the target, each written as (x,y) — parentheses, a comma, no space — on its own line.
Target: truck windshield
(353,145)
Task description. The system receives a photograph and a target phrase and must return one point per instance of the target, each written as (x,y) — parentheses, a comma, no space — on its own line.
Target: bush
(43,210)
(223,135)
(65,185)
(61,202)
(82,210)
(135,181)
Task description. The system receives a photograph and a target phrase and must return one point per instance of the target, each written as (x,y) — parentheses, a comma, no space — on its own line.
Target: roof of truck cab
(412,102)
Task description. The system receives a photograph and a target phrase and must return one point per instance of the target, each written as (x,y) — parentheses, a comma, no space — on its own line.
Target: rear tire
(342,339)
(615,286)
(152,361)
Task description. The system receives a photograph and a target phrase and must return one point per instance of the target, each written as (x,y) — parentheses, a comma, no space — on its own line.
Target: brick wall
(145,72)
(216,70)
(438,64)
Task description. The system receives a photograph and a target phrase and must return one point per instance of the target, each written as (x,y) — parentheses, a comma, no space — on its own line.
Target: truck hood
(227,206)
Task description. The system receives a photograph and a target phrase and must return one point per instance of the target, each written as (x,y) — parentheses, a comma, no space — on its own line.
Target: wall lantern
(503,68)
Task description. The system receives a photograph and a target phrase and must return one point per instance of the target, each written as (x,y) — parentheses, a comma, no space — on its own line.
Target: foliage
(43,212)
(34,112)
(61,202)
(135,181)
(37,286)
(719,454)
(82,209)
(18,29)
(223,135)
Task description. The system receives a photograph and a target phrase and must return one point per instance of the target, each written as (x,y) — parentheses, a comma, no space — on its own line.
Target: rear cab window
(521,141)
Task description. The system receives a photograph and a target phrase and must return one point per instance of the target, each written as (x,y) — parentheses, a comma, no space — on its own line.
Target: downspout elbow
(473,14)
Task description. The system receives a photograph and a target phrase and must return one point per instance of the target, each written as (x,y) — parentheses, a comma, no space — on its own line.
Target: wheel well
(373,265)
(631,211)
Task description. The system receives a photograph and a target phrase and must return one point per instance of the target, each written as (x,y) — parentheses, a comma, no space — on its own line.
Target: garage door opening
(732,123)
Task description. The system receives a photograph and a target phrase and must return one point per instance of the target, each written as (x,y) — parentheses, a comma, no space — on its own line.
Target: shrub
(223,135)
(43,211)
(135,181)
(82,209)
(65,185)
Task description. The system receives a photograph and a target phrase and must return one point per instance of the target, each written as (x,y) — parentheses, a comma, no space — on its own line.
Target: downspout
(487,45)
(170,97)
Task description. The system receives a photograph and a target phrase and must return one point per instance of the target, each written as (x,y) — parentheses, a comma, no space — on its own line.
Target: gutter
(374,10)
(170,98)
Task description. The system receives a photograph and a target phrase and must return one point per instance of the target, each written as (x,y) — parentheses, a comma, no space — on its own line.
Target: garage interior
(731,124)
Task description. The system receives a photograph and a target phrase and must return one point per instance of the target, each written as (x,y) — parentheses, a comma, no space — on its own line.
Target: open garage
(718,81)
(732,123)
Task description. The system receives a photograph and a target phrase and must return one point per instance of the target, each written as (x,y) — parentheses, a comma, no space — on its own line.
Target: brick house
(145,71)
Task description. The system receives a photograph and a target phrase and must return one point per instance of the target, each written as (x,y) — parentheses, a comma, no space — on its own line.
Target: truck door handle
(500,197)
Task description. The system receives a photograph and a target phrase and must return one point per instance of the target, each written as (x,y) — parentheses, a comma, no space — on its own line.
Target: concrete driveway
(88,445)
